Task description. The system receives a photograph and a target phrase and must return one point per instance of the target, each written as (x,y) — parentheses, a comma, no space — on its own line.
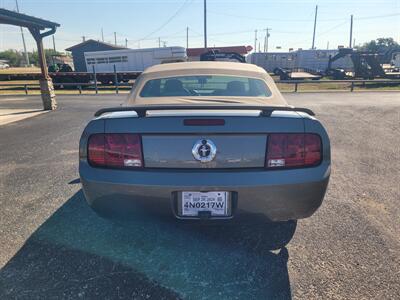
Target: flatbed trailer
(74,77)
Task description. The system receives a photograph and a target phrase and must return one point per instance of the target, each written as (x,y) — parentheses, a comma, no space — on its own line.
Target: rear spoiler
(266,111)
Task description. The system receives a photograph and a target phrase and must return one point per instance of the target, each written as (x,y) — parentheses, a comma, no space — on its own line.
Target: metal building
(78,52)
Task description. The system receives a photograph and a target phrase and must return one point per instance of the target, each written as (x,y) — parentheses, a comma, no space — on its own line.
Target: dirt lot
(53,246)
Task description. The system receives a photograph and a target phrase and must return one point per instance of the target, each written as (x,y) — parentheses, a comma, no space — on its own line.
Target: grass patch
(20,70)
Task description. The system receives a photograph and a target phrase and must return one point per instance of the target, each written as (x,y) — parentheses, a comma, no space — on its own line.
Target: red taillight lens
(119,150)
(288,150)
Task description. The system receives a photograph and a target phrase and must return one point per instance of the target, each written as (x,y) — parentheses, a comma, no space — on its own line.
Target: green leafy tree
(381,46)
(17,59)
(34,57)
(14,57)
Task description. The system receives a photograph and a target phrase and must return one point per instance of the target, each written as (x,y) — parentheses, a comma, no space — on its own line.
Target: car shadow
(76,254)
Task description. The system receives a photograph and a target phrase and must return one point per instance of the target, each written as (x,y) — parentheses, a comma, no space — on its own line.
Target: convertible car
(206,140)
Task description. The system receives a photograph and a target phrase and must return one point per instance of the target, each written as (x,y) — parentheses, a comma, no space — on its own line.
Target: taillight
(288,150)
(115,150)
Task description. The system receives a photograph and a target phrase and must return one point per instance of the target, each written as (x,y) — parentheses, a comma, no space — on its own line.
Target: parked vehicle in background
(314,60)
(216,55)
(134,60)
(4,64)
(206,140)
(396,59)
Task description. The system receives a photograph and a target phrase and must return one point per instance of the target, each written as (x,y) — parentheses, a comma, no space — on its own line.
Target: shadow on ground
(76,254)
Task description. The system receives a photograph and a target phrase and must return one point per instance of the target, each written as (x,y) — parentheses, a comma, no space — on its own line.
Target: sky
(229,22)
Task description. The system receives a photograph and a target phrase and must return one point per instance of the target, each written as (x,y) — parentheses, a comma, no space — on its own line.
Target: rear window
(205,85)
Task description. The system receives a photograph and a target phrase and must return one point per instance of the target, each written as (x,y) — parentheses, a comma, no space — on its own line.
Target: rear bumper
(278,195)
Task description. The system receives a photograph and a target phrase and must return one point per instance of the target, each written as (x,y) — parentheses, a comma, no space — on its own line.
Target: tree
(34,57)
(14,57)
(381,46)
(17,59)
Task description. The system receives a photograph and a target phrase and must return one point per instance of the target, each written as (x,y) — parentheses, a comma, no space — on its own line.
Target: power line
(300,20)
(377,17)
(168,21)
(322,33)
(332,28)
(172,35)
(271,19)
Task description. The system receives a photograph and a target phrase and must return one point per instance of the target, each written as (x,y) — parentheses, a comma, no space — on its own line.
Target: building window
(114,59)
(102,60)
(90,61)
(124,58)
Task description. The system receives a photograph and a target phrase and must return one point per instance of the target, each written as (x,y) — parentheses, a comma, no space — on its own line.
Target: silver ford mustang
(206,140)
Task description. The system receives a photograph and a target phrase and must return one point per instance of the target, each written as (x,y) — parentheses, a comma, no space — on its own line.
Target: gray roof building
(88,46)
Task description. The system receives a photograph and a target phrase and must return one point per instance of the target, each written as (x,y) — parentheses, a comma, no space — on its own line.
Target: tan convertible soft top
(205,68)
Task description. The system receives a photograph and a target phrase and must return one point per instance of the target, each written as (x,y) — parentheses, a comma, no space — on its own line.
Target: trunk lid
(240,142)
(180,151)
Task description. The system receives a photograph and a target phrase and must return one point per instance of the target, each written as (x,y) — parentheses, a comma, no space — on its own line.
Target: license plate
(216,203)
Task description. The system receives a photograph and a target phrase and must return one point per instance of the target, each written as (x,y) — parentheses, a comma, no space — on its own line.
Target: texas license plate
(215,203)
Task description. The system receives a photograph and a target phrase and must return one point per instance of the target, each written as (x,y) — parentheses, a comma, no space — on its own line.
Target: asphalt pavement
(53,246)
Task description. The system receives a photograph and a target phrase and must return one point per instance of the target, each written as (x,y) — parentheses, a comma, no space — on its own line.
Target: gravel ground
(53,246)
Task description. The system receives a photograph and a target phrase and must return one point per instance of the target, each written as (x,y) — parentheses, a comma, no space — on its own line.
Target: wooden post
(46,84)
(42,57)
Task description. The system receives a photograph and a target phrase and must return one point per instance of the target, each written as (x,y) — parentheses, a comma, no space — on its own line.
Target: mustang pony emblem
(204,150)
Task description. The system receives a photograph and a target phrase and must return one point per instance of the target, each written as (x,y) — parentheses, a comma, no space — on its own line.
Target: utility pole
(187,37)
(126,43)
(315,27)
(54,43)
(327,45)
(205,24)
(351,31)
(83,38)
(159,42)
(102,35)
(255,40)
(115,38)
(266,38)
(23,39)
